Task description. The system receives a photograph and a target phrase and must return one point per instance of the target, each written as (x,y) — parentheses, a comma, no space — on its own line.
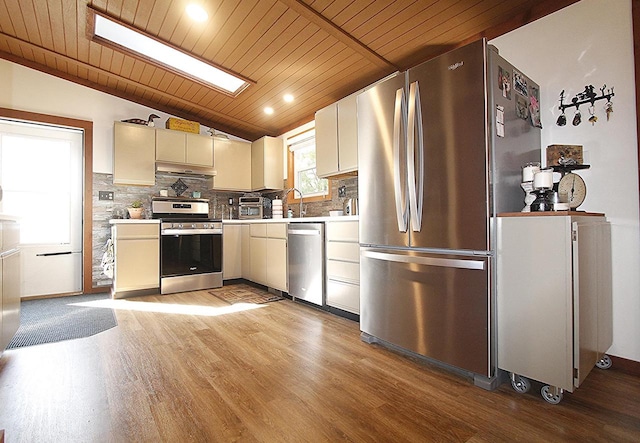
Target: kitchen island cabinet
(134,154)
(554,305)
(136,251)
(343,266)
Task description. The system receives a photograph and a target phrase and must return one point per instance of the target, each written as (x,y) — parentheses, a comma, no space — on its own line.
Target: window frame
(294,199)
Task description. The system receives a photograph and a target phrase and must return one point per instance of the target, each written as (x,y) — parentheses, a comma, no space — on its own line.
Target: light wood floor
(283,372)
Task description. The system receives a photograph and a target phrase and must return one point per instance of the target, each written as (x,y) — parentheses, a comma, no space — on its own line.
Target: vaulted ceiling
(317,50)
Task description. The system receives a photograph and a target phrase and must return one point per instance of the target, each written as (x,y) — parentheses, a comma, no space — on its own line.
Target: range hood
(165,168)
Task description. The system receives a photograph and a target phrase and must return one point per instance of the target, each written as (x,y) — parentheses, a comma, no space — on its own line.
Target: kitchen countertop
(342,218)
(123,221)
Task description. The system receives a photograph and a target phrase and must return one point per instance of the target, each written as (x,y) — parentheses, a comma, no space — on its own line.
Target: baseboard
(629,366)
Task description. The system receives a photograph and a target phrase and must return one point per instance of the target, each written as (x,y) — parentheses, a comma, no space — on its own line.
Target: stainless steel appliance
(305,253)
(350,206)
(251,207)
(190,245)
(440,150)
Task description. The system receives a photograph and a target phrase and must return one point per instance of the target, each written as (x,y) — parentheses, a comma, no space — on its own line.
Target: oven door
(190,254)
(250,211)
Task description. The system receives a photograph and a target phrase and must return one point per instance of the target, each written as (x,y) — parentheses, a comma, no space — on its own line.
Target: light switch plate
(105,195)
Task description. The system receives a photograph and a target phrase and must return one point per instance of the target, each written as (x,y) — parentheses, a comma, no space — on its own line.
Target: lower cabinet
(136,248)
(343,265)
(268,254)
(231,251)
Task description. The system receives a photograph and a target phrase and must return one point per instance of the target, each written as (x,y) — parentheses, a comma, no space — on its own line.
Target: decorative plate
(179,186)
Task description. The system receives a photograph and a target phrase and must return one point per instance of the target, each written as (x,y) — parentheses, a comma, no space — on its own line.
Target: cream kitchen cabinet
(246,251)
(267,167)
(9,282)
(231,251)
(233,163)
(184,148)
(343,265)
(136,250)
(268,244)
(337,138)
(554,305)
(134,154)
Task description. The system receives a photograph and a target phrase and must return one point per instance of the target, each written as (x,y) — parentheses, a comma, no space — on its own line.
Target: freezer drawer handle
(427,261)
(399,180)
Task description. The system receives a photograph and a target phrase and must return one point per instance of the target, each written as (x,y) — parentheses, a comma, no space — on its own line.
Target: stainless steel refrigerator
(440,151)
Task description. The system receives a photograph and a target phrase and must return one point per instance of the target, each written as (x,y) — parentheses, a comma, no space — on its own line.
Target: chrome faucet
(287,193)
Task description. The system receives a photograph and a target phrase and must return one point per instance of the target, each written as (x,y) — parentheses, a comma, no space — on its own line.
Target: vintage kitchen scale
(542,194)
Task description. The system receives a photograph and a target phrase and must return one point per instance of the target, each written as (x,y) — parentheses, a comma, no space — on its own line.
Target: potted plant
(135,209)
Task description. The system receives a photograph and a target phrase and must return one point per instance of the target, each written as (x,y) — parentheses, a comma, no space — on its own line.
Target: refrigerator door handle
(399,185)
(416,188)
(427,261)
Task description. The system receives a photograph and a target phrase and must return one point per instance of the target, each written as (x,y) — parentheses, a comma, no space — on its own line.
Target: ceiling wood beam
(133,84)
(335,31)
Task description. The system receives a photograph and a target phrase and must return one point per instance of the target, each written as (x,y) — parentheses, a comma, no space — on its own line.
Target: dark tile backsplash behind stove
(123,196)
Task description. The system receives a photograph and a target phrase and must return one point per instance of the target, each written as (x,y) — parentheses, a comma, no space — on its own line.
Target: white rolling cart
(554,313)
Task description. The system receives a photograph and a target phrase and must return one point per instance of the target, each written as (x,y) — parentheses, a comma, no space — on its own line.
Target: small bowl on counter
(336,213)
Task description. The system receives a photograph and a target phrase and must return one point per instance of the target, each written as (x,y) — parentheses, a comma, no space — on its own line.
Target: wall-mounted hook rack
(586,96)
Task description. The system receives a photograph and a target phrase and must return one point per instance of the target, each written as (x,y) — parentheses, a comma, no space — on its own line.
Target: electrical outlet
(230,201)
(105,195)
(342,191)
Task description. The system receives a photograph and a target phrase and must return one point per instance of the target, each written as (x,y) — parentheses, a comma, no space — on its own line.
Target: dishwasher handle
(303,232)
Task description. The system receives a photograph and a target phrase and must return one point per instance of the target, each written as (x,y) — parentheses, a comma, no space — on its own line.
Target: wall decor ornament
(587,96)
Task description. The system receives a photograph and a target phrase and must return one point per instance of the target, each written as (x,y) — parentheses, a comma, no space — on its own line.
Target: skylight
(131,40)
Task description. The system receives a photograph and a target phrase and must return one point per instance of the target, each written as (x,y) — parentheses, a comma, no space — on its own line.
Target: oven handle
(191,231)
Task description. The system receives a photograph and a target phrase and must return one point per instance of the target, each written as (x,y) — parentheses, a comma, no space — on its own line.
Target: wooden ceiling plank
(156,17)
(264,43)
(143,14)
(237,25)
(225,20)
(168,24)
(30,22)
(70,17)
(352,11)
(44,23)
(17,19)
(237,60)
(380,23)
(422,30)
(356,45)
(6,24)
(208,34)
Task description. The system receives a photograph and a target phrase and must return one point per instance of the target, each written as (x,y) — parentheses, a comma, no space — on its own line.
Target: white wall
(591,42)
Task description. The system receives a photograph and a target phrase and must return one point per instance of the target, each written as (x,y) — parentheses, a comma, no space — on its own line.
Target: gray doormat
(64,318)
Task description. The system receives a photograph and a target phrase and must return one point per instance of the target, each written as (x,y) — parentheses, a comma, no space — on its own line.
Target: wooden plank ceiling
(317,50)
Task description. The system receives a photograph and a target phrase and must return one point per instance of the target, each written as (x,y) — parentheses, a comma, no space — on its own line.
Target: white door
(41,173)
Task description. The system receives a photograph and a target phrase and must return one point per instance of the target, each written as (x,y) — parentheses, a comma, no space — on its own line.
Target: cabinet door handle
(49,254)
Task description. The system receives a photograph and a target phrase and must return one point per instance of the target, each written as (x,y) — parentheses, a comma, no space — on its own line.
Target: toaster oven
(251,208)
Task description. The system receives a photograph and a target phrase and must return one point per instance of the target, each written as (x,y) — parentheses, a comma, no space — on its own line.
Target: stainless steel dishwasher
(306,261)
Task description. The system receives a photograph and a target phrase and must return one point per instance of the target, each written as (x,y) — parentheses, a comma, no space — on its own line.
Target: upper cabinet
(184,148)
(134,155)
(337,138)
(267,167)
(233,162)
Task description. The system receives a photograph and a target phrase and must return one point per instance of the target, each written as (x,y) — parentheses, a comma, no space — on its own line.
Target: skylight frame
(96,17)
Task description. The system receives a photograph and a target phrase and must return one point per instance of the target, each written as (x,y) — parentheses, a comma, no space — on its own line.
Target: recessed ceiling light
(197,13)
(268,110)
(130,40)
(287,98)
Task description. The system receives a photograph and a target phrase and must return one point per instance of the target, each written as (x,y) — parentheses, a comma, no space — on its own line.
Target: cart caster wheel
(604,362)
(551,395)
(520,384)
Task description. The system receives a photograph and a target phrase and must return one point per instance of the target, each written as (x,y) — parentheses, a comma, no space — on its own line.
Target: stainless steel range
(190,245)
